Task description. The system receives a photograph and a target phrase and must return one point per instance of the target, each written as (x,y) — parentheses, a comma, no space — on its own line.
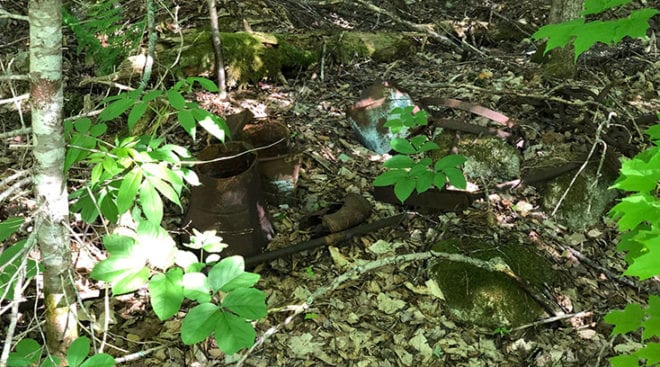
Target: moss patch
(486,298)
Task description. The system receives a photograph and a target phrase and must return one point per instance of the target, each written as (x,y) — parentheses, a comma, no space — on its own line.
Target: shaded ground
(392,316)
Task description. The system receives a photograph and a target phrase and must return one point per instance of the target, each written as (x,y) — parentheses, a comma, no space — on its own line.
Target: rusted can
(230,200)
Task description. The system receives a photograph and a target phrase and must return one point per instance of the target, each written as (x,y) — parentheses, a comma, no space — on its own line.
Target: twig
(553,319)
(14,188)
(22,97)
(6,77)
(138,355)
(6,14)
(18,291)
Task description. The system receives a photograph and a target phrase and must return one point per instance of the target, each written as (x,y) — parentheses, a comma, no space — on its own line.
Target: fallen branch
(331,239)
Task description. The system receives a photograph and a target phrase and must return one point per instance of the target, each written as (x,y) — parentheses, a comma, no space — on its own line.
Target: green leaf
(136,113)
(166,292)
(9,226)
(624,360)
(82,125)
(200,322)
(654,131)
(196,287)
(640,175)
(115,109)
(450,161)
(211,123)
(651,352)
(646,265)
(455,177)
(244,280)
(591,33)
(207,84)
(187,122)
(225,271)
(50,361)
(248,303)
(599,6)
(151,203)
(404,188)
(131,281)
(151,95)
(165,189)
(390,177)
(402,146)
(166,174)
(424,181)
(234,333)
(128,190)
(418,141)
(115,268)
(635,209)
(99,360)
(109,208)
(429,145)
(98,130)
(119,245)
(399,161)
(78,351)
(558,35)
(27,353)
(635,25)
(627,320)
(176,99)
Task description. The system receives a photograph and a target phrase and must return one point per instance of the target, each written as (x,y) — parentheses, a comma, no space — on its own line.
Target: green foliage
(638,217)
(12,257)
(230,320)
(585,34)
(411,170)
(189,114)
(132,173)
(28,352)
(129,179)
(103,35)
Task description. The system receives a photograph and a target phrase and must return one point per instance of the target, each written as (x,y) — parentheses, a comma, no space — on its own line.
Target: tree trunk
(49,180)
(562,60)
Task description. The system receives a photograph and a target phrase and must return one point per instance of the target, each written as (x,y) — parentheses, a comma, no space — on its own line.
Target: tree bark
(562,60)
(49,180)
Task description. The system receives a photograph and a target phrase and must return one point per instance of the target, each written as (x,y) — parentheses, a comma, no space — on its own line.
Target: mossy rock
(491,299)
(488,158)
(350,47)
(248,57)
(586,201)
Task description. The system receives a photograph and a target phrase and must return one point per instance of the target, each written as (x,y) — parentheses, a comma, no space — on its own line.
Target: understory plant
(638,214)
(130,179)
(638,217)
(412,170)
(584,34)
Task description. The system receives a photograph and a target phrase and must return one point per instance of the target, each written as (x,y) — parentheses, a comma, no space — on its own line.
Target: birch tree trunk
(46,98)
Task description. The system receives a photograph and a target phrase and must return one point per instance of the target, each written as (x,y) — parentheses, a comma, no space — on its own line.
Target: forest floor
(391,316)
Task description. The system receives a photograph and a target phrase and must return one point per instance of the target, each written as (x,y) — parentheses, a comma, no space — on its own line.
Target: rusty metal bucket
(279,167)
(229,199)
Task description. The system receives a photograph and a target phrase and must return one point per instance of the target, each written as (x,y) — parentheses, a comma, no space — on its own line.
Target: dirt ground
(390,316)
